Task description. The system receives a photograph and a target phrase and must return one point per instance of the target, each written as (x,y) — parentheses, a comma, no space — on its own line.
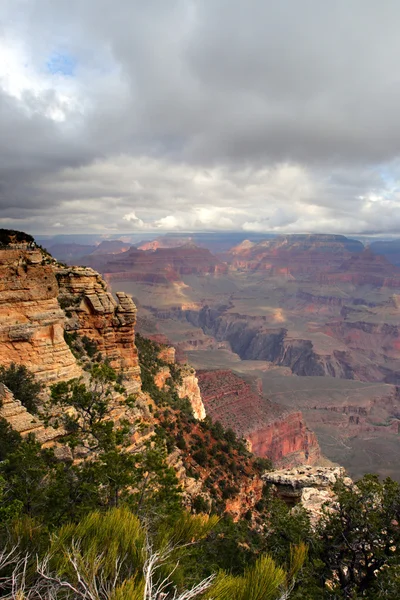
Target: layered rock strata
(22,421)
(162,266)
(93,312)
(31,320)
(272,432)
(299,256)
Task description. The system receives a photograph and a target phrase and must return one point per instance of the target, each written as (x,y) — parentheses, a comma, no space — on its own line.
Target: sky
(189,115)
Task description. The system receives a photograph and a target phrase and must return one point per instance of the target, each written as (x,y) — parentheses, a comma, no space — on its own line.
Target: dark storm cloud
(186,114)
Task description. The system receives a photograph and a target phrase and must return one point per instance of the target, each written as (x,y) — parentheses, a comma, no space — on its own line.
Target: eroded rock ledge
(93,312)
(22,421)
(312,487)
(31,320)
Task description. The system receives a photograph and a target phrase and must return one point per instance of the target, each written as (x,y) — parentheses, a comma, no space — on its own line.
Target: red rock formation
(164,265)
(249,493)
(365,268)
(273,432)
(165,242)
(294,256)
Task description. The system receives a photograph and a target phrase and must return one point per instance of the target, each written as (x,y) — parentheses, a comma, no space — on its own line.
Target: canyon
(271,431)
(44,305)
(320,332)
(321,309)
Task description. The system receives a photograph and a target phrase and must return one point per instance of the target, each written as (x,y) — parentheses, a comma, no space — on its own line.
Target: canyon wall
(365,346)
(272,432)
(252,339)
(31,320)
(294,256)
(39,300)
(93,312)
(189,388)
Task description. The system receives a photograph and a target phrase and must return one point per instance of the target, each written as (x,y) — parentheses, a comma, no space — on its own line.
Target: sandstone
(94,313)
(315,501)
(189,388)
(31,321)
(161,377)
(22,421)
(310,487)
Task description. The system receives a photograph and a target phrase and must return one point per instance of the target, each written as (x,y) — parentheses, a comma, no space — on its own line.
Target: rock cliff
(93,312)
(189,388)
(253,338)
(22,421)
(294,256)
(31,320)
(364,268)
(278,434)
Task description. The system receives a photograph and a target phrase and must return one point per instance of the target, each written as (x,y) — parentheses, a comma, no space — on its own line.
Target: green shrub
(22,383)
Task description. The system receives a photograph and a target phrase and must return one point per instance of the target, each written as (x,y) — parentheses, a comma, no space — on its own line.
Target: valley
(313,320)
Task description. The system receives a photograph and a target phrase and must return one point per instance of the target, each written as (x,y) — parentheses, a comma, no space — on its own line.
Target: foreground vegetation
(114,524)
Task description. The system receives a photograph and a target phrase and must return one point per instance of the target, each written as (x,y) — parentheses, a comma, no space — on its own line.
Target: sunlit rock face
(273,432)
(93,312)
(31,320)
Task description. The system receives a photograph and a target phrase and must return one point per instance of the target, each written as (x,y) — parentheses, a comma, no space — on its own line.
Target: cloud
(133,220)
(188,115)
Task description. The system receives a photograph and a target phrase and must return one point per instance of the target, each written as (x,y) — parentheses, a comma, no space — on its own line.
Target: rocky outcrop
(31,320)
(189,388)
(93,312)
(312,487)
(186,387)
(273,432)
(22,421)
(290,482)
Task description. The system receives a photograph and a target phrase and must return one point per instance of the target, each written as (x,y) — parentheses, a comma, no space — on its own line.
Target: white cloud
(133,220)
